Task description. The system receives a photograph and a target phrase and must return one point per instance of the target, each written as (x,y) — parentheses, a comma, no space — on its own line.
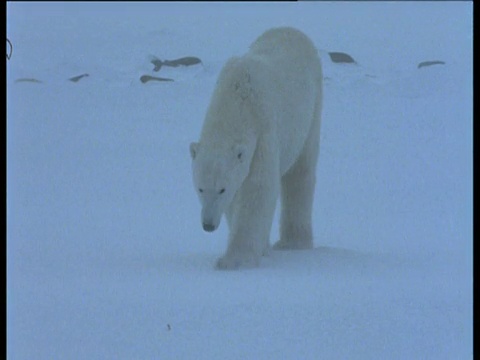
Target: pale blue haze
(106,258)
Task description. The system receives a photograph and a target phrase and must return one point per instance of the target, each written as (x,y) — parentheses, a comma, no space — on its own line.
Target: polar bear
(260,139)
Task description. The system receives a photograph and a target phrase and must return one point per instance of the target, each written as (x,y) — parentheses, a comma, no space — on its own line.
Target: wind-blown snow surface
(106,256)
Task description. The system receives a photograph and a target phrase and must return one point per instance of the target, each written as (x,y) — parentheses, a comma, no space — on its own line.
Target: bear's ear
(193,149)
(244,150)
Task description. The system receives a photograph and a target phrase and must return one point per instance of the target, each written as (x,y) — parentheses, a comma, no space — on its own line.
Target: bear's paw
(293,245)
(237,261)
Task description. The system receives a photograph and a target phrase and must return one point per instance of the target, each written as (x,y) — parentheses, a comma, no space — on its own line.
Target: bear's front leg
(250,220)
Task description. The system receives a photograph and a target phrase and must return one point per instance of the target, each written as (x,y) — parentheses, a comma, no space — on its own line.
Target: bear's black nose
(208,227)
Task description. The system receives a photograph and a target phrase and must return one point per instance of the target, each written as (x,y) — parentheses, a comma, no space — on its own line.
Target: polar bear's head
(218,173)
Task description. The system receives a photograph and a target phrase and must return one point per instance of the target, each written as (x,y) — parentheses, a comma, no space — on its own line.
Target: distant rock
(77,78)
(146,78)
(185,61)
(340,57)
(32,80)
(430,63)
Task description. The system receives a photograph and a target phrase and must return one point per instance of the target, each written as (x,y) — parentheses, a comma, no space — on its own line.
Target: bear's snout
(208,227)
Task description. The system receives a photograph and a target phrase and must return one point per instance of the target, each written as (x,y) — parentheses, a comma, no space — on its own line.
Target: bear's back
(296,85)
(274,86)
(285,44)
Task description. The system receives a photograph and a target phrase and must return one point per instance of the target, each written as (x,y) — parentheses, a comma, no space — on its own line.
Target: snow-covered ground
(106,258)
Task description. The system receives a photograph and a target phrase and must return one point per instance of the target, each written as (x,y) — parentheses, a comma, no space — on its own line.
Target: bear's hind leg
(297,192)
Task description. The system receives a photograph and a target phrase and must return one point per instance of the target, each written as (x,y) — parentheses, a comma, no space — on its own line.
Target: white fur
(260,140)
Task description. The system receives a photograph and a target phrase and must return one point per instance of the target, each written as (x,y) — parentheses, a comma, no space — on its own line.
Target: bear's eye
(221,191)
(201,190)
